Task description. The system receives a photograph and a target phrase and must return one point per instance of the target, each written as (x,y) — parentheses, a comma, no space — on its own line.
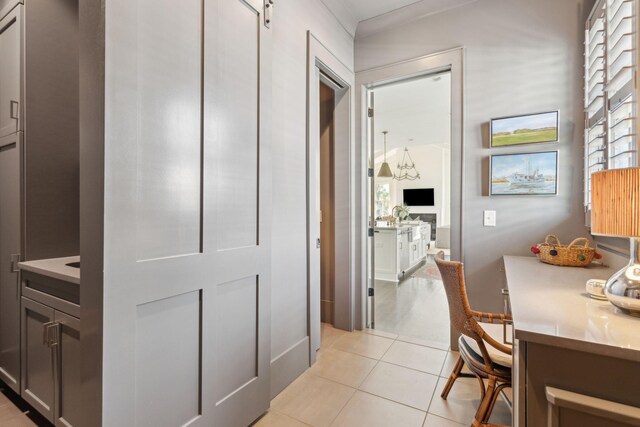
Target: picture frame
(524,174)
(538,128)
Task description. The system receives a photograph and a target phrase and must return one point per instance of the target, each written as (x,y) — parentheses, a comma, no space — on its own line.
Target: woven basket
(577,254)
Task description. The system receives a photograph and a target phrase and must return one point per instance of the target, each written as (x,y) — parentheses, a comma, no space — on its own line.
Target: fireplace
(431,218)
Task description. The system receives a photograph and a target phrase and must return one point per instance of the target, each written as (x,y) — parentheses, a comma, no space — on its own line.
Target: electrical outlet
(489,218)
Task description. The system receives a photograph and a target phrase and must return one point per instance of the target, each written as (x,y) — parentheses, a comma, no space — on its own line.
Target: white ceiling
(374,15)
(366,9)
(417,109)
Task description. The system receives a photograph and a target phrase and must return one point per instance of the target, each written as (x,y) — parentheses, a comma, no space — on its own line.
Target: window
(383,200)
(610,89)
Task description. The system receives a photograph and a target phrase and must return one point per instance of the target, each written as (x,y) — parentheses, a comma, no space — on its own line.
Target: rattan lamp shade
(616,203)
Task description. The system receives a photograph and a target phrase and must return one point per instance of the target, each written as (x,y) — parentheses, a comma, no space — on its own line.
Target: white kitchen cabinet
(11,72)
(387,254)
(398,250)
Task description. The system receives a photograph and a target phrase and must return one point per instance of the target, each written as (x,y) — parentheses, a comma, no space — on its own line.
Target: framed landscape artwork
(529,129)
(525,174)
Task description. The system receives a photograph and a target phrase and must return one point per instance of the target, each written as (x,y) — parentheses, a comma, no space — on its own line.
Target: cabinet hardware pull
(45,333)
(15,259)
(13,107)
(56,333)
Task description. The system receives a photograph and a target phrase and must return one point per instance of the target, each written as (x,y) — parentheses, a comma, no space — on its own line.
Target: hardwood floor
(415,308)
(14,412)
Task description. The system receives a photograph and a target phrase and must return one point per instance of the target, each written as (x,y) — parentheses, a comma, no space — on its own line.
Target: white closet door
(186,288)
(11,72)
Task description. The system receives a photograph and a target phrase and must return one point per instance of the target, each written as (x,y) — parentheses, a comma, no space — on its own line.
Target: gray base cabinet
(51,360)
(11,72)
(10,250)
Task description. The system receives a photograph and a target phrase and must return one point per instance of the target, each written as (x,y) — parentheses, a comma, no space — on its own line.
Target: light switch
(489,218)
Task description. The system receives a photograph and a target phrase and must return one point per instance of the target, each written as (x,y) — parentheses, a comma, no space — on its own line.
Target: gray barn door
(186,298)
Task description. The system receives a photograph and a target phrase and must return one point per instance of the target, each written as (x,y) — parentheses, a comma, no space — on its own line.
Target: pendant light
(385,169)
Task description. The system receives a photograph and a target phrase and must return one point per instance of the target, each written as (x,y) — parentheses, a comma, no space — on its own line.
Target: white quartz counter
(550,306)
(54,267)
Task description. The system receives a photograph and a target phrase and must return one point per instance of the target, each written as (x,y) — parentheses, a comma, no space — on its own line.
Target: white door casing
(341,78)
(366,81)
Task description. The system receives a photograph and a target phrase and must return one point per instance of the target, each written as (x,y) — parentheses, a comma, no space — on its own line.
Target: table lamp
(615,212)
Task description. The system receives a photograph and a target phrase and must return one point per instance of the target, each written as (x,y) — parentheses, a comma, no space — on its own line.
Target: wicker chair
(490,362)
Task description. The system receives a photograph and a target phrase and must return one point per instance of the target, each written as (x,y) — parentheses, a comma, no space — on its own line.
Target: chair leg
(494,400)
(452,378)
(485,404)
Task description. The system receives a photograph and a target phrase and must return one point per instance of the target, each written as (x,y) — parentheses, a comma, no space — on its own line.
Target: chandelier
(407,169)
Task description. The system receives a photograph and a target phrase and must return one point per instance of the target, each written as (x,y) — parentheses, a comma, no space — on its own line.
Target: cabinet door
(68,399)
(404,253)
(37,357)
(10,249)
(11,72)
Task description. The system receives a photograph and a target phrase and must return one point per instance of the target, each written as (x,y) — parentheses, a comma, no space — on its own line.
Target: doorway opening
(410,139)
(330,213)
(327,203)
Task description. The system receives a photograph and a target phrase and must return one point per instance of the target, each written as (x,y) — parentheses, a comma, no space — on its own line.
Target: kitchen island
(399,249)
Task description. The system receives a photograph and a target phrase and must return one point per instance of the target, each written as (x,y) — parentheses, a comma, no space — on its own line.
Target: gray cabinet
(10,250)
(68,398)
(51,360)
(11,72)
(37,357)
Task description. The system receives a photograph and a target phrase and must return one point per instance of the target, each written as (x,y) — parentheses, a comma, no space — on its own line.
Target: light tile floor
(368,378)
(374,378)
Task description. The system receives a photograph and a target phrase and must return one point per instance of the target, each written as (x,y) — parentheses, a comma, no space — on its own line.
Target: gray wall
(292,20)
(522,56)
(52,182)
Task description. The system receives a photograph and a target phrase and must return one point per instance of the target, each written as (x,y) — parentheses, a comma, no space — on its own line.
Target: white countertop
(54,267)
(550,306)
(401,226)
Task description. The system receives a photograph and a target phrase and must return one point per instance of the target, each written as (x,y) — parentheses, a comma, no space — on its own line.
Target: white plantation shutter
(595,97)
(611,95)
(621,71)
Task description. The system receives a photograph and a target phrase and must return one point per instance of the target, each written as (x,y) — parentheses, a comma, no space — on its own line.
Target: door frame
(321,58)
(452,60)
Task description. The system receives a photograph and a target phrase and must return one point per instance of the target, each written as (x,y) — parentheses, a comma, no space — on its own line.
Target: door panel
(10,250)
(236,335)
(69,385)
(168,338)
(11,72)
(236,211)
(37,358)
(169,127)
(232,70)
(186,185)
(371,240)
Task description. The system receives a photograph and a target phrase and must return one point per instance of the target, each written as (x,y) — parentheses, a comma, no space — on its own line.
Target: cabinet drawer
(58,294)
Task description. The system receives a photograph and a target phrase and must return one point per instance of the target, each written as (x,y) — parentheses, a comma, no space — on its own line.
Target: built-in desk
(576,359)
